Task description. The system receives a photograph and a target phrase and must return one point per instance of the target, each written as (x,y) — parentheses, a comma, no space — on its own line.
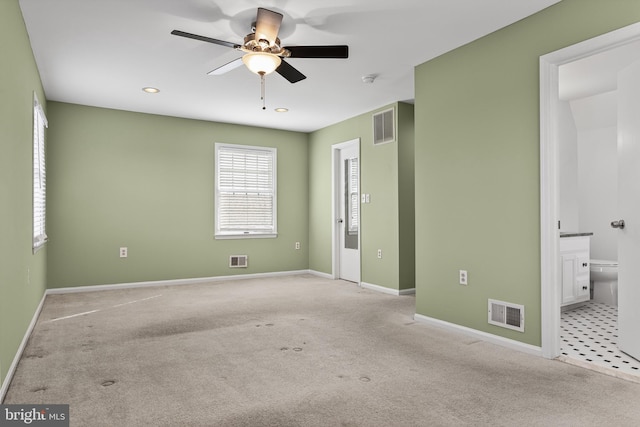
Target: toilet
(604,277)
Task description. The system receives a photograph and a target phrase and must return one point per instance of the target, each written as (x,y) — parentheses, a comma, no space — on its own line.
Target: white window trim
(39,207)
(245,234)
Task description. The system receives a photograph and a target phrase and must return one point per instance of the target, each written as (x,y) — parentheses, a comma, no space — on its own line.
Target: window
(39,176)
(245,191)
(353,201)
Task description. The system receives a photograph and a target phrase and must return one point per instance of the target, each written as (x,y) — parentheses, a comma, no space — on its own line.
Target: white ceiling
(590,85)
(103,52)
(597,73)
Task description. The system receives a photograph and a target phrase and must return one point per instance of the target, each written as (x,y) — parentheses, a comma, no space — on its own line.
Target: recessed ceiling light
(151,89)
(281,110)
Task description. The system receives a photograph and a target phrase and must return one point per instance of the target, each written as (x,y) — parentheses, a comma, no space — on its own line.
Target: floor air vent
(238,261)
(507,315)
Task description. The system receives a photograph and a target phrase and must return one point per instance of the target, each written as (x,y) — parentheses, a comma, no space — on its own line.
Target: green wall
(477,157)
(406,196)
(22,274)
(320,192)
(146,182)
(380,176)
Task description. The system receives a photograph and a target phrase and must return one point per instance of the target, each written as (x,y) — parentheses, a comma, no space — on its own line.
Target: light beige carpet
(292,351)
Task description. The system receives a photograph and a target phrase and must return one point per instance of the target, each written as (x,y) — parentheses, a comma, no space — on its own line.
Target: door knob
(618,224)
(340,221)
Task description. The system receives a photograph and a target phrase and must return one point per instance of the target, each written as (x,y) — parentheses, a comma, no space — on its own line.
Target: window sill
(38,247)
(245,236)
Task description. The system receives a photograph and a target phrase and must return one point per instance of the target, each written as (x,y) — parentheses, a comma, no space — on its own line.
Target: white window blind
(245,191)
(352,190)
(39,176)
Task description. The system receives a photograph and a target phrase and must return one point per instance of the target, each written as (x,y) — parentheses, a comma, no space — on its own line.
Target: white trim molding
(175,282)
(484,336)
(321,274)
(386,290)
(14,365)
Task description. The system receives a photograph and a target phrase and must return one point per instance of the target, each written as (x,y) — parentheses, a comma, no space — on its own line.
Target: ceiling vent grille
(238,261)
(384,129)
(506,315)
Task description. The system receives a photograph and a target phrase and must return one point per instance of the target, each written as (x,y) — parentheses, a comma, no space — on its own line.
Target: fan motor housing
(253,45)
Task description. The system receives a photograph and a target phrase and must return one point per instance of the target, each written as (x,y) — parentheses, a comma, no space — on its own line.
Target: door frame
(335,207)
(550,171)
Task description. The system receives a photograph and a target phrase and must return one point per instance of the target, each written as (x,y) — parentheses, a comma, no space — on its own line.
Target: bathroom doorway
(551,127)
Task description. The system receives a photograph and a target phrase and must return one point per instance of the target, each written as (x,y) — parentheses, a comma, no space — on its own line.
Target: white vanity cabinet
(574,266)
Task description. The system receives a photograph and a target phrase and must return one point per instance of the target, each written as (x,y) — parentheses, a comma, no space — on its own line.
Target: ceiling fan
(262,48)
(263,52)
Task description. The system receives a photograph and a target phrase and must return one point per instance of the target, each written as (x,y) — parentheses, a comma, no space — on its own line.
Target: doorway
(549,173)
(346,210)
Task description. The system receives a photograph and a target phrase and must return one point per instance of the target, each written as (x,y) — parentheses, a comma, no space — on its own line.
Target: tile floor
(589,333)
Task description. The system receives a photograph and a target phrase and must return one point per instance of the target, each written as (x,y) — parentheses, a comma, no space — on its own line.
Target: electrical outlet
(379,253)
(297,246)
(123,252)
(464,277)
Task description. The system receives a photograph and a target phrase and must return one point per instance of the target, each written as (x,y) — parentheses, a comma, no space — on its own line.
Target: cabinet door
(583,264)
(568,277)
(583,292)
(582,289)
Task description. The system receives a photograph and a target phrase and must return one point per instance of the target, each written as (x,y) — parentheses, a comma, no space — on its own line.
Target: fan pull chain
(262,90)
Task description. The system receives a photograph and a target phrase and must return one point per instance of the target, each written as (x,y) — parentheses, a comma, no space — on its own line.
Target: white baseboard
(321,274)
(388,291)
(484,336)
(16,359)
(174,282)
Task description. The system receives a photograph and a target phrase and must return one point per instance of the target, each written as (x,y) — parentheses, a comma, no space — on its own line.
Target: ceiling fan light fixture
(261,63)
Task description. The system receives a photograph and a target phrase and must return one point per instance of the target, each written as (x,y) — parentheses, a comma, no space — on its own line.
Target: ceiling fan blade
(267,25)
(338,51)
(287,71)
(226,67)
(204,39)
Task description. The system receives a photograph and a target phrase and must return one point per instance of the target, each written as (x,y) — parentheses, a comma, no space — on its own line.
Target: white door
(629,210)
(348,214)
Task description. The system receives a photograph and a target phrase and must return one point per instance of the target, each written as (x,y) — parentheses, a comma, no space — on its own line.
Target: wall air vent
(507,315)
(384,127)
(238,261)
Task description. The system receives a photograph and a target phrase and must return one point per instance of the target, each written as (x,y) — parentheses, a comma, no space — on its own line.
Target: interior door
(629,210)
(349,213)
